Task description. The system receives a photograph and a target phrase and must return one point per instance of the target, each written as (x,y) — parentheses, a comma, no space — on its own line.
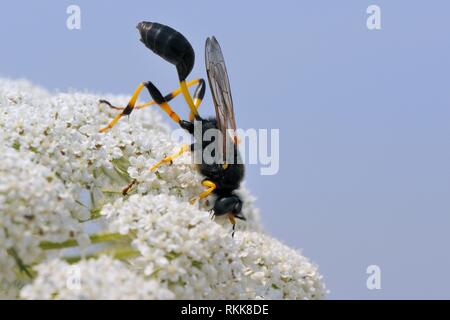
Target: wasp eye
(237,207)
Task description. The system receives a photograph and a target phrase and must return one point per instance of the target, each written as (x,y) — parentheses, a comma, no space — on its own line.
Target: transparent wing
(220,88)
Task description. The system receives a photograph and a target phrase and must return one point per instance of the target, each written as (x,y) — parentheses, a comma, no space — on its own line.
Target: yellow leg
(170,158)
(198,97)
(197,102)
(211,187)
(126,111)
(161,101)
(168,97)
(184,148)
(167,109)
(188,97)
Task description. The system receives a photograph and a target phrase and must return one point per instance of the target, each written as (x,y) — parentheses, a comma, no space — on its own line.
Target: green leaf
(197,264)
(172,255)
(16,145)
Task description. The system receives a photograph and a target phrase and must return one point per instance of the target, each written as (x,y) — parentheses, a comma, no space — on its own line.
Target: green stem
(22,267)
(95,238)
(112,191)
(80,203)
(91,194)
(94,215)
(124,175)
(120,254)
(107,173)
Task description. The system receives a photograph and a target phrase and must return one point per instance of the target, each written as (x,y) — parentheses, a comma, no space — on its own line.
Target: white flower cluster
(34,207)
(197,258)
(53,156)
(276,271)
(103,278)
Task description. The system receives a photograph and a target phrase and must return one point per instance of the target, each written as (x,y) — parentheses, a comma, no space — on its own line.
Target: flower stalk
(94,238)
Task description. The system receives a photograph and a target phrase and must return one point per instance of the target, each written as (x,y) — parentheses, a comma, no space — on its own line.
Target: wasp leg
(170,158)
(166,159)
(188,98)
(232,219)
(161,101)
(211,187)
(127,110)
(167,97)
(128,187)
(198,97)
(110,105)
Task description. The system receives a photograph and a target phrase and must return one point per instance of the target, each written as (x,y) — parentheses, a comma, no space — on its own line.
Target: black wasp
(222,177)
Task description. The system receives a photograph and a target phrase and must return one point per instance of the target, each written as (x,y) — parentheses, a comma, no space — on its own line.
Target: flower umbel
(61,180)
(59,280)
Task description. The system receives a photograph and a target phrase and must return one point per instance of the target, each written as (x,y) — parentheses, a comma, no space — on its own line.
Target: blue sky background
(364,116)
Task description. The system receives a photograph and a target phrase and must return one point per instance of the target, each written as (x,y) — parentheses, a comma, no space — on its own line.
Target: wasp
(224,174)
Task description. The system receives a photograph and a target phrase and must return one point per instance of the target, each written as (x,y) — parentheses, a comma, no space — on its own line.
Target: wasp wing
(220,89)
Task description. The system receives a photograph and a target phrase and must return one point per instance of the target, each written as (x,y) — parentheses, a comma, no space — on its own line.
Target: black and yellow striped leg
(161,101)
(127,110)
(188,98)
(211,187)
(184,148)
(199,94)
(199,82)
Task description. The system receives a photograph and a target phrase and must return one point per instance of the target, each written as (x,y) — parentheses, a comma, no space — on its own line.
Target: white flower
(34,207)
(276,271)
(61,133)
(181,246)
(103,278)
(53,158)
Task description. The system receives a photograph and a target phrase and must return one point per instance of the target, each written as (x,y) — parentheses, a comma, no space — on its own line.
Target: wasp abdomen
(169,44)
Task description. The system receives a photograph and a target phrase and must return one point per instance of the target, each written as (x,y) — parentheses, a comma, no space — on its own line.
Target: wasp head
(228,204)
